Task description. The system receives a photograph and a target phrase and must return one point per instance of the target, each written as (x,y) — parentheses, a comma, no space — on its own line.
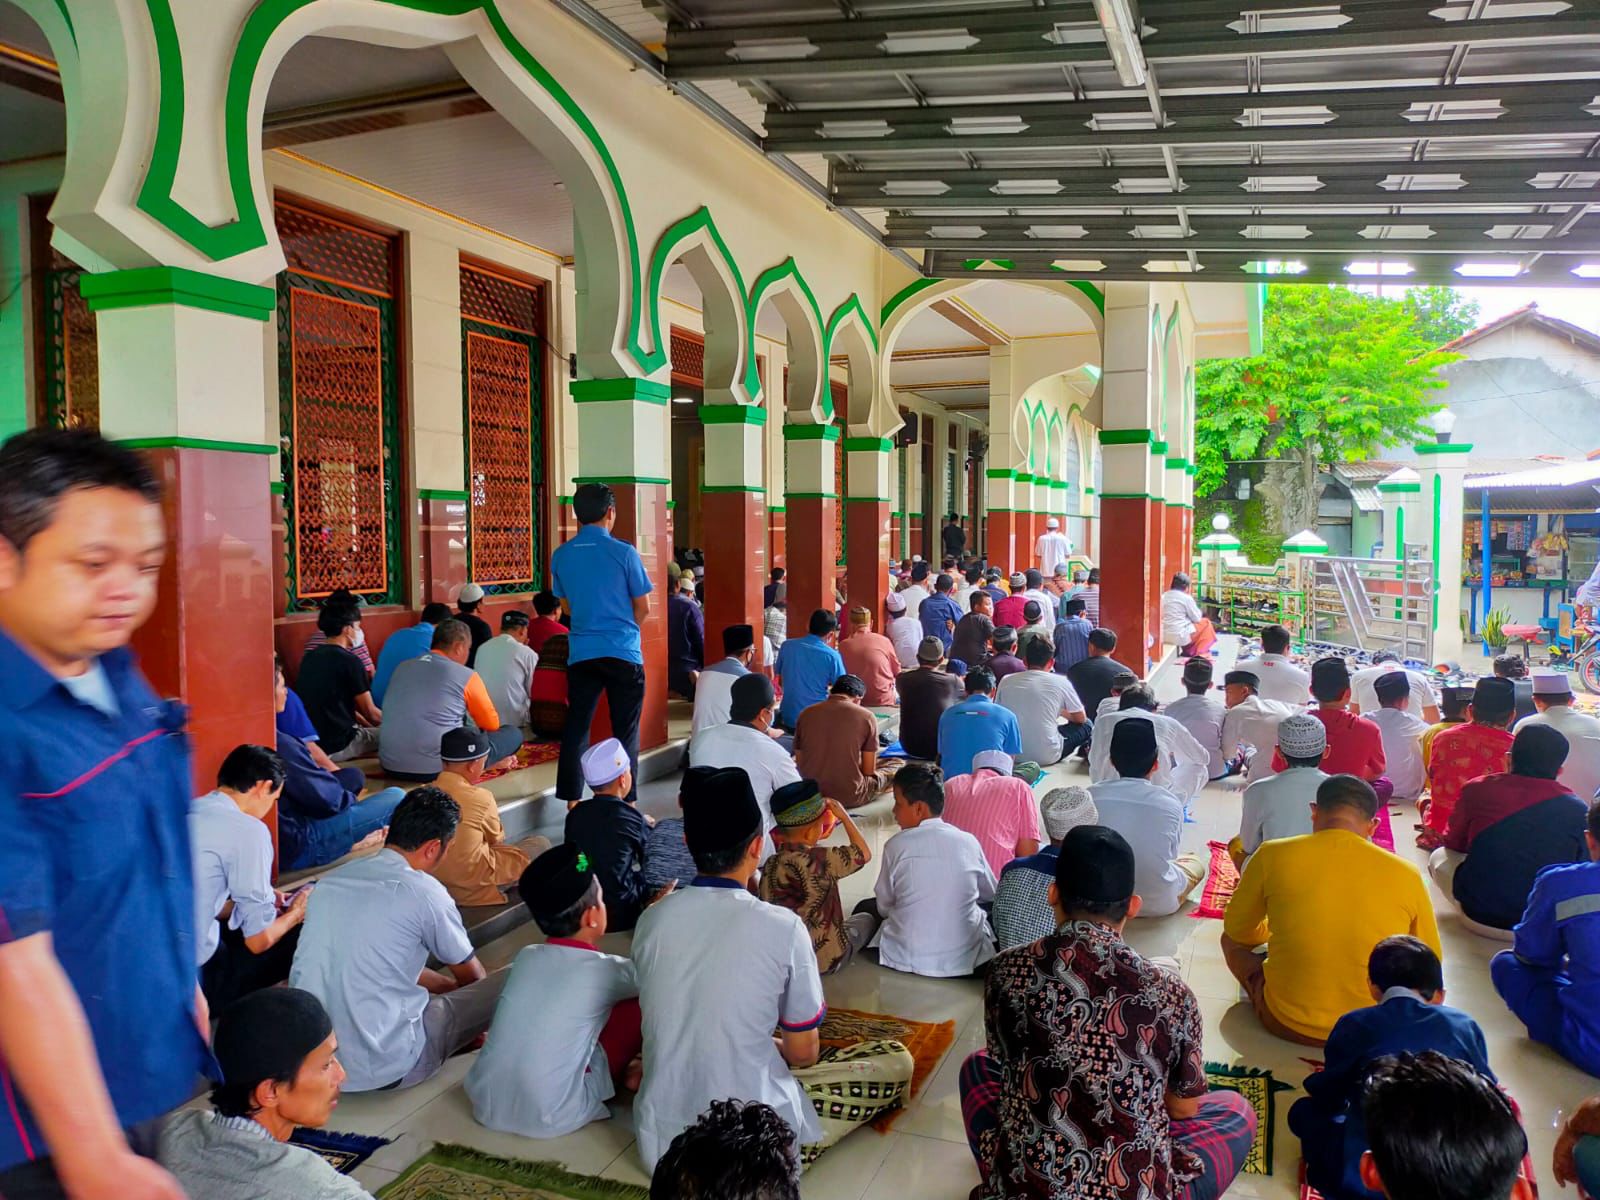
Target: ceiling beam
(1321,223)
(1572,245)
(967,322)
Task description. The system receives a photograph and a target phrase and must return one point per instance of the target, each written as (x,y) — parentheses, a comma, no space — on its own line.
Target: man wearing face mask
(335,687)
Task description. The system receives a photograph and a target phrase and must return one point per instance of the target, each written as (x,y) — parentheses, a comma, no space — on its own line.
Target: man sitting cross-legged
(836,743)
(1355,744)
(1250,724)
(277,1053)
(1279,806)
(1022,910)
(1093,1082)
(370,929)
(713,691)
(746,742)
(1402,732)
(1182,764)
(566,1036)
(430,696)
(1149,816)
(996,807)
(1319,903)
(1050,717)
(711,1002)
(1466,752)
(479,865)
(977,723)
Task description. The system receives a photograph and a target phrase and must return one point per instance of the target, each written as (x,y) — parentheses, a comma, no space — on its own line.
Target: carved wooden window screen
(688,351)
(71,353)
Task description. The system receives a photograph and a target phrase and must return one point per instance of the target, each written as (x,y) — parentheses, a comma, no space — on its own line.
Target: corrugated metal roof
(1563,475)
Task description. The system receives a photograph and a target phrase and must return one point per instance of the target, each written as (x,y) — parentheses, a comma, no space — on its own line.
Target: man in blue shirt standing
(977,723)
(939,612)
(807,667)
(405,644)
(101,1018)
(603,581)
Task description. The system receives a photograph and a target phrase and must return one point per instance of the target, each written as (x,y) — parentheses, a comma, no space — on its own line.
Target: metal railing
(1250,598)
(1371,604)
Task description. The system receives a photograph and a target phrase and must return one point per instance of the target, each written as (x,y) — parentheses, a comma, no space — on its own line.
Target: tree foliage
(1440,314)
(1342,373)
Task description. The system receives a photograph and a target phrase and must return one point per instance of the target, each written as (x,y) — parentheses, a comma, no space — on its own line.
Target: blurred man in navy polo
(603,580)
(101,1018)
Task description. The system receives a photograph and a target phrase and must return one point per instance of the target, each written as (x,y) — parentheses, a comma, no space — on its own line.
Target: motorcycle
(1584,656)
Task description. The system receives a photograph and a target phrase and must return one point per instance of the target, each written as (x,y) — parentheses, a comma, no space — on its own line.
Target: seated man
(1022,910)
(713,691)
(1182,762)
(1467,752)
(1149,816)
(1515,668)
(1387,662)
(932,886)
(1550,978)
(1402,735)
(1201,714)
(870,657)
(1182,623)
(1250,723)
(612,833)
(405,644)
(336,686)
(251,945)
(1408,1013)
(977,723)
(836,744)
(746,742)
(430,696)
(1454,702)
(1507,828)
(1050,717)
(975,631)
(276,1052)
(926,694)
(1319,903)
(1071,636)
(1004,660)
(506,664)
(568,1034)
(1281,678)
(479,866)
(711,1003)
(735,1151)
(370,929)
(1279,806)
(1009,611)
(807,667)
(995,807)
(1552,696)
(1092,677)
(1035,628)
(1355,744)
(939,613)
(546,621)
(904,631)
(1040,1124)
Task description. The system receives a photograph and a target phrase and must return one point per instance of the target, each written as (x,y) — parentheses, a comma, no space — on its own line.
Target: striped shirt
(998,810)
(1072,643)
(1091,603)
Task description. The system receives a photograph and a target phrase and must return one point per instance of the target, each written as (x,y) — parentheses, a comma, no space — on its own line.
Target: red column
(209,640)
(1177,541)
(1126,602)
(867,557)
(776,555)
(443,524)
(811,559)
(642,520)
(1001,538)
(736,563)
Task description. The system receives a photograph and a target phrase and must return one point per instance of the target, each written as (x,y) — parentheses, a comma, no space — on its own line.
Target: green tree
(1440,314)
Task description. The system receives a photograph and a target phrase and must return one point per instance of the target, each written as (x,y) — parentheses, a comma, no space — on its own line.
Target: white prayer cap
(1547,682)
(995,760)
(1052,523)
(604,763)
(1065,808)
(895,602)
(469,594)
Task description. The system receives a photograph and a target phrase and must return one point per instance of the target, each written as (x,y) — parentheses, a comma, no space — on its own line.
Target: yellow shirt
(1321,902)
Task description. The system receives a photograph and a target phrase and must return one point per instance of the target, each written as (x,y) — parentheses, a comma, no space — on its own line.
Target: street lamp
(1443,423)
(1220,521)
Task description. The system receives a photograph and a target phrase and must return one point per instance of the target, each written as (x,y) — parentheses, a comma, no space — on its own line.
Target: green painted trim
(1129,496)
(1399,546)
(1438,484)
(600,391)
(1255,303)
(764,283)
(1024,477)
(1000,473)
(772,508)
(1208,544)
(1444,448)
(810,433)
(1088,491)
(918,516)
(904,294)
(1303,551)
(621,479)
(867,500)
(1059,483)
(188,443)
(671,504)
(878,445)
(145,287)
(732,414)
(852,304)
(1392,488)
(721,488)
(1158,448)
(446,494)
(276,487)
(566,500)
(1096,296)
(1179,504)
(1177,462)
(811,495)
(1191,469)
(661,257)
(1126,437)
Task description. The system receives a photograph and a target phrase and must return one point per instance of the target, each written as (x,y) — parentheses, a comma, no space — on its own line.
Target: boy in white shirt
(567,1033)
(1402,734)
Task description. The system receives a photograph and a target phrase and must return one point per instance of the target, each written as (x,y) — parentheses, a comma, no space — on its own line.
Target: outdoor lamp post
(1442,423)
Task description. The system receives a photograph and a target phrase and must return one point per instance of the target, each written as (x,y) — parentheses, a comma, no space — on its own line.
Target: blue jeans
(332,837)
(1533,994)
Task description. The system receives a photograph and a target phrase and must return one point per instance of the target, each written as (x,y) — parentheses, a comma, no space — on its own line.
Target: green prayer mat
(449,1172)
(1260,1089)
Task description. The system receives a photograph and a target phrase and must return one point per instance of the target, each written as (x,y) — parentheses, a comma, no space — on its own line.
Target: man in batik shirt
(1093,1085)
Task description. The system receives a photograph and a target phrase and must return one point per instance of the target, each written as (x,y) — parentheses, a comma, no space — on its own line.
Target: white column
(1442,467)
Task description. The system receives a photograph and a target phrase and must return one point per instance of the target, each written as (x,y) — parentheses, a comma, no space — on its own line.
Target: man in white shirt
(506,664)
(904,631)
(1251,723)
(1282,679)
(1402,735)
(1033,589)
(1040,699)
(718,971)
(1052,548)
(963,594)
(917,591)
(1423,703)
(1148,815)
(931,885)
(1279,806)
(1201,714)
(1182,623)
(713,693)
(1552,696)
(745,742)
(1182,766)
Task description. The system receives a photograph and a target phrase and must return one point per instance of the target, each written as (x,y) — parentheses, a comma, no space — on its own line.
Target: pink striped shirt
(998,810)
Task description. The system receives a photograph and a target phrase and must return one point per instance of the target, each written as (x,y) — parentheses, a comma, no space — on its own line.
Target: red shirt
(1355,745)
(1494,798)
(872,657)
(541,630)
(1009,611)
(1461,754)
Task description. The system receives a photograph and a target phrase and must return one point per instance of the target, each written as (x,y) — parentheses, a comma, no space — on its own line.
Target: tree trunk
(1291,492)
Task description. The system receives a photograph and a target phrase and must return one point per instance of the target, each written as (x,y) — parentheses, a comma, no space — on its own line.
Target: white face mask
(360,638)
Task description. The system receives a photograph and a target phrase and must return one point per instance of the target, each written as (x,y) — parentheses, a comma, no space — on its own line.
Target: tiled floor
(926,1155)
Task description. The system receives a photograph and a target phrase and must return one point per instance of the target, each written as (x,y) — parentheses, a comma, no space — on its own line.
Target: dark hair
(725,859)
(450,633)
(1274,640)
(513,618)
(979,679)
(1075,606)
(1033,578)
(1538,751)
(1128,762)
(974,574)
(468,606)
(733,641)
(922,783)
(248,765)
(1103,639)
(1330,679)
(1004,637)
(1180,582)
(1347,791)
(1379,657)
(1453,703)
(434,613)
(1392,687)
(570,919)
(1593,823)
(1122,681)
(423,815)
(39,466)
(1315,761)
(239,1099)
(1102,910)
(1408,962)
(737,1150)
(849,685)
(1038,653)
(1094,575)
(1140,695)
(748,700)
(943,583)
(1510,666)
(777,574)
(1439,1130)
(546,604)
(1032,612)
(822,623)
(334,619)
(591,502)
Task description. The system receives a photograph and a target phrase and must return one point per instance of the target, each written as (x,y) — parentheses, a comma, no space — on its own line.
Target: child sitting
(612,832)
(804,876)
(1410,1015)
(567,1033)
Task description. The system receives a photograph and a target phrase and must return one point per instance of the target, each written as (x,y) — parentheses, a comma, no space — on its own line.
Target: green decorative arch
(768,281)
(667,247)
(1096,296)
(1054,423)
(850,307)
(1166,365)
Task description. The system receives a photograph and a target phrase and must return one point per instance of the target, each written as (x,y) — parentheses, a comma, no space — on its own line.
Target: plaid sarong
(853,1085)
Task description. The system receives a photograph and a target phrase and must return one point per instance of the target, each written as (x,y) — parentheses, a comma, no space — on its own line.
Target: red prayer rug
(1221,878)
(529,754)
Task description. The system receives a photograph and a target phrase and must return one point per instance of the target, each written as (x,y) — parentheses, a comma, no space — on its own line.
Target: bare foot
(633,1075)
(372,841)
(508,763)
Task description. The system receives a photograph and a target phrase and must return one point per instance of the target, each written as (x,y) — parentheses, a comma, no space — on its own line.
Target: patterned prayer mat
(1221,879)
(1383,835)
(928,1042)
(1261,1089)
(450,1172)
(345,1151)
(529,754)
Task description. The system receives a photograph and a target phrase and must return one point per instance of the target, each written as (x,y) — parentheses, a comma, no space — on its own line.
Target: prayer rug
(450,1172)
(529,754)
(1260,1089)
(1383,835)
(928,1042)
(344,1151)
(1221,879)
